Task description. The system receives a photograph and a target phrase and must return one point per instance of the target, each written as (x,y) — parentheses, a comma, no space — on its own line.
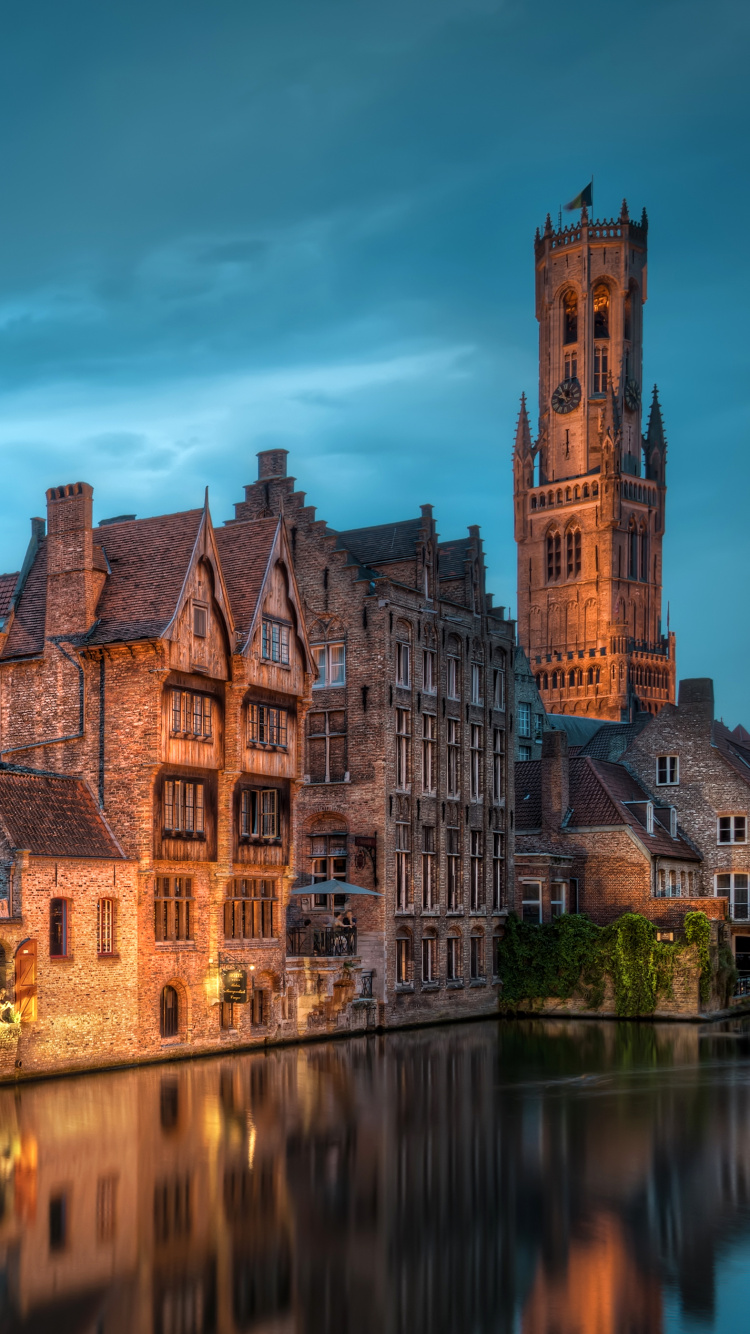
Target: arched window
(539,681)
(169,1012)
(559,497)
(644,554)
(404,958)
(570,317)
(632,552)
(573,554)
(533,502)
(590,676)
(585,490)
(551,498)
(567,493)
(554,680)
(571,677)
(595,489)
(577,493)
(554,557)
(546,681)
(601,311)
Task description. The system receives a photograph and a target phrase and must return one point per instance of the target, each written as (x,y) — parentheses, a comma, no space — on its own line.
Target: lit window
(732,829)
(429,959)
(183,807)
(570,317)
(524,719)
(734,885)
(429,672)
(403,962)
(531,903)
(330,660)
(105,926)
(429,733)
(667,770)
(173,907)
(192,714)
(477,686)
(601,311)
(403,666)
(58,928)
(275,642)
(266,726)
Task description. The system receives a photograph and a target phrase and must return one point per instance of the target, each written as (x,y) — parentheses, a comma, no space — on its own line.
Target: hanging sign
(234,986)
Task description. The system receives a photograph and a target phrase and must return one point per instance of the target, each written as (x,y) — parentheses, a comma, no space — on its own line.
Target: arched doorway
(26,981)
(170,1015)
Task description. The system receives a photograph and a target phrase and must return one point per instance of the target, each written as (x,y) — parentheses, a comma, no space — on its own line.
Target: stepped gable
(7,587)
(245,548)
(26,637)
(381,543)
(452,558)
(148,559)
(53,815)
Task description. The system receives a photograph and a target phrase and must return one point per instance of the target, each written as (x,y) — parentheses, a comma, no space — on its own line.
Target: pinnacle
(523,431)
(624,215)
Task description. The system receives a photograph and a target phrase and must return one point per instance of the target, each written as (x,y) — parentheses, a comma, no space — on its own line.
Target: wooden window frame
(174,915)
(186,798)
(266,726)
(59,942)
(259,814)
(328,734)
(106,922)
(191,714)
(249,911)
(275,641)
(323,654)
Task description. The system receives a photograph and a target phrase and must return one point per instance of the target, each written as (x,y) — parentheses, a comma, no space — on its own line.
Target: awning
(335,887)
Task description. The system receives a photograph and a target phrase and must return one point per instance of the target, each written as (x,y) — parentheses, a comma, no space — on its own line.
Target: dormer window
(200,620)
(276,642)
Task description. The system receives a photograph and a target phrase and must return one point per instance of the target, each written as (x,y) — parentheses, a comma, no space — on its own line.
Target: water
(538,1178)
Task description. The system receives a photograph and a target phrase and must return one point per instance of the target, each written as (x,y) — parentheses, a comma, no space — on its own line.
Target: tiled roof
(7,585)
(611,740)
(599,790)
(244,549)
(728,745)
(149,560)
(382,543)
(26,636)
(452,557)
(52,815)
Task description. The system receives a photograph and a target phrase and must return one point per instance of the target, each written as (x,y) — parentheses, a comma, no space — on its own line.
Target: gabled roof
(382,543)
(244,549)
(149,559)
(601,794)
(53,815)
(732,749)
(7,585)
(26,637)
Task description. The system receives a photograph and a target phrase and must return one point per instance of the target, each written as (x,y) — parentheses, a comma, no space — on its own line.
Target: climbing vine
(572,955)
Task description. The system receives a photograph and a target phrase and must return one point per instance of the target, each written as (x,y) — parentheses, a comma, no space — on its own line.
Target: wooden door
(26,981)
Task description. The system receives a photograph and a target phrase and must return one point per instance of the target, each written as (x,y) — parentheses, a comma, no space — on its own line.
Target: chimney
(555,779)
(271,464)
(697,695)
(71,593)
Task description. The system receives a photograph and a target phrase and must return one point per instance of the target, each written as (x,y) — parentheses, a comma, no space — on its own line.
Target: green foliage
(726,975)
(573,956)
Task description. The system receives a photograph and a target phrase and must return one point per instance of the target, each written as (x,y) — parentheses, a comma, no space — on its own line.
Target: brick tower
(590,493)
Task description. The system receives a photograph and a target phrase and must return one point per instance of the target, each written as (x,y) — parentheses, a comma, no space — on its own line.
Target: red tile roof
(734,749)
(149,560)
(7,585)
(26,637)
(599,791)
(53,815)
(244,549)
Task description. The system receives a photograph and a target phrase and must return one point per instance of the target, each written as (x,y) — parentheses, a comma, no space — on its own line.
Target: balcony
(324,942)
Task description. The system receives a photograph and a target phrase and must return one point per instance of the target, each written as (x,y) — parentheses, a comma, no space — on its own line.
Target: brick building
(167,666)
(590,492)
(690,759)
(407,782)
(590,838)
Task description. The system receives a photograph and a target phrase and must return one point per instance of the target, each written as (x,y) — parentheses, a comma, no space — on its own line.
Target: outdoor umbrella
(335,887)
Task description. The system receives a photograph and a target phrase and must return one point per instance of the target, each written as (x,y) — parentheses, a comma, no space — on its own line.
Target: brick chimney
(697,695)
(555,779)
(71,587)
(271,464)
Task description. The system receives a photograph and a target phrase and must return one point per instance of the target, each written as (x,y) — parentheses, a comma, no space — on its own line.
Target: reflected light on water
(513,1178)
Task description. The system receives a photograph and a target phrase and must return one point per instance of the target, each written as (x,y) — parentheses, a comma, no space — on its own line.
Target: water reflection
(562,1178)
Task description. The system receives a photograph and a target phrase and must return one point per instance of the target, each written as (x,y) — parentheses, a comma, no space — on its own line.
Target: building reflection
(487,1177)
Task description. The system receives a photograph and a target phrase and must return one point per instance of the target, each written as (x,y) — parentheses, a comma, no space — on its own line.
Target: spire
(644,220)
(548,226)
(624,215)
(655,437)
(523,448)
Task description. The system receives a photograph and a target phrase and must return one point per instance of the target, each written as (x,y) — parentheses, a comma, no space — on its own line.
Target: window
(523,722)
(667,770)
(452,677)
(524,752)
(452,836)
(557,897)
(632,552)
(674,883)
(105,926)
(58,928)
(326,746)
(649,817)
(601,369)
(531,903)
(498,688)
(275,642)
(734,885)
(403,736)
(477,872)
(570,317)
(476,958)
(452,757)
(328,853)
(429,885)
(453,968)
(266,725)
(429,732)
(573,553)
(170,1014)
(403,877)
(249,910)
(554,557)
(732,829)
(477,685)
(429,671)
(644,555)
(403,961)
(200,620)
(477,747)
(58,1222)
(498,764)
(330,660)
(601,311)
(498,855)
(538,725)
(183,807)
(226,1015)
(571,368)
(173,907)
(260,816)
(260,1008)
(403,677)
(192,714)
(429,959)
(106,1208)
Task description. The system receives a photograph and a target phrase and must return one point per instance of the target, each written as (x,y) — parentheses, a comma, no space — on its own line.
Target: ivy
(573,956)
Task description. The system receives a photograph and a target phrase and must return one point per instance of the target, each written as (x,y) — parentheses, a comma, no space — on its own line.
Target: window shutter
(316,759)
(337,763)
(228,918)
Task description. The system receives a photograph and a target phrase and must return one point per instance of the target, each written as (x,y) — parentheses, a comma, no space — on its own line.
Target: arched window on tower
(601,311)
(554,557)
(644,554)
(632,551)
(573,553)
(570,317)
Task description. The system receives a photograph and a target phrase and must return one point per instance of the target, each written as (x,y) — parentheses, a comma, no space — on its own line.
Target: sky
(230,225)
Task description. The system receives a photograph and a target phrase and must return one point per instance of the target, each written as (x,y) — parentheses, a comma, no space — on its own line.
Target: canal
(532,1177)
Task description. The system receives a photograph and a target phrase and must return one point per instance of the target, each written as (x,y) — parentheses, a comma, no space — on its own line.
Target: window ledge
(326,782)
(271,662)
(430,912)
(402,912)
(455,983)
(183,835)
(404,988)
(478,982)
(62,958)
(266,745)
(174,945)
(190,736)
(106,957)
(477,912)
(255,840)
(455,912)
(430,986)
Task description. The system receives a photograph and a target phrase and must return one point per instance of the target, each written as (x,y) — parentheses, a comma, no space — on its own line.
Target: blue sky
(309,223)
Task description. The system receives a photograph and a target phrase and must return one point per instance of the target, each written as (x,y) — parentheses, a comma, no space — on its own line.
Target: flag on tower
(585,198)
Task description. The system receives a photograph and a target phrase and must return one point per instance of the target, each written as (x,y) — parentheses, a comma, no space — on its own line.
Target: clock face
(567,396)
(632,395)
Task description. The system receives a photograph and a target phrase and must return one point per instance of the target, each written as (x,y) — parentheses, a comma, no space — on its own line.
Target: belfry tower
(590,492)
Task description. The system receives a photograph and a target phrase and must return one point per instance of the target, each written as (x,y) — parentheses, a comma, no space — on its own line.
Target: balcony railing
(325,942)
